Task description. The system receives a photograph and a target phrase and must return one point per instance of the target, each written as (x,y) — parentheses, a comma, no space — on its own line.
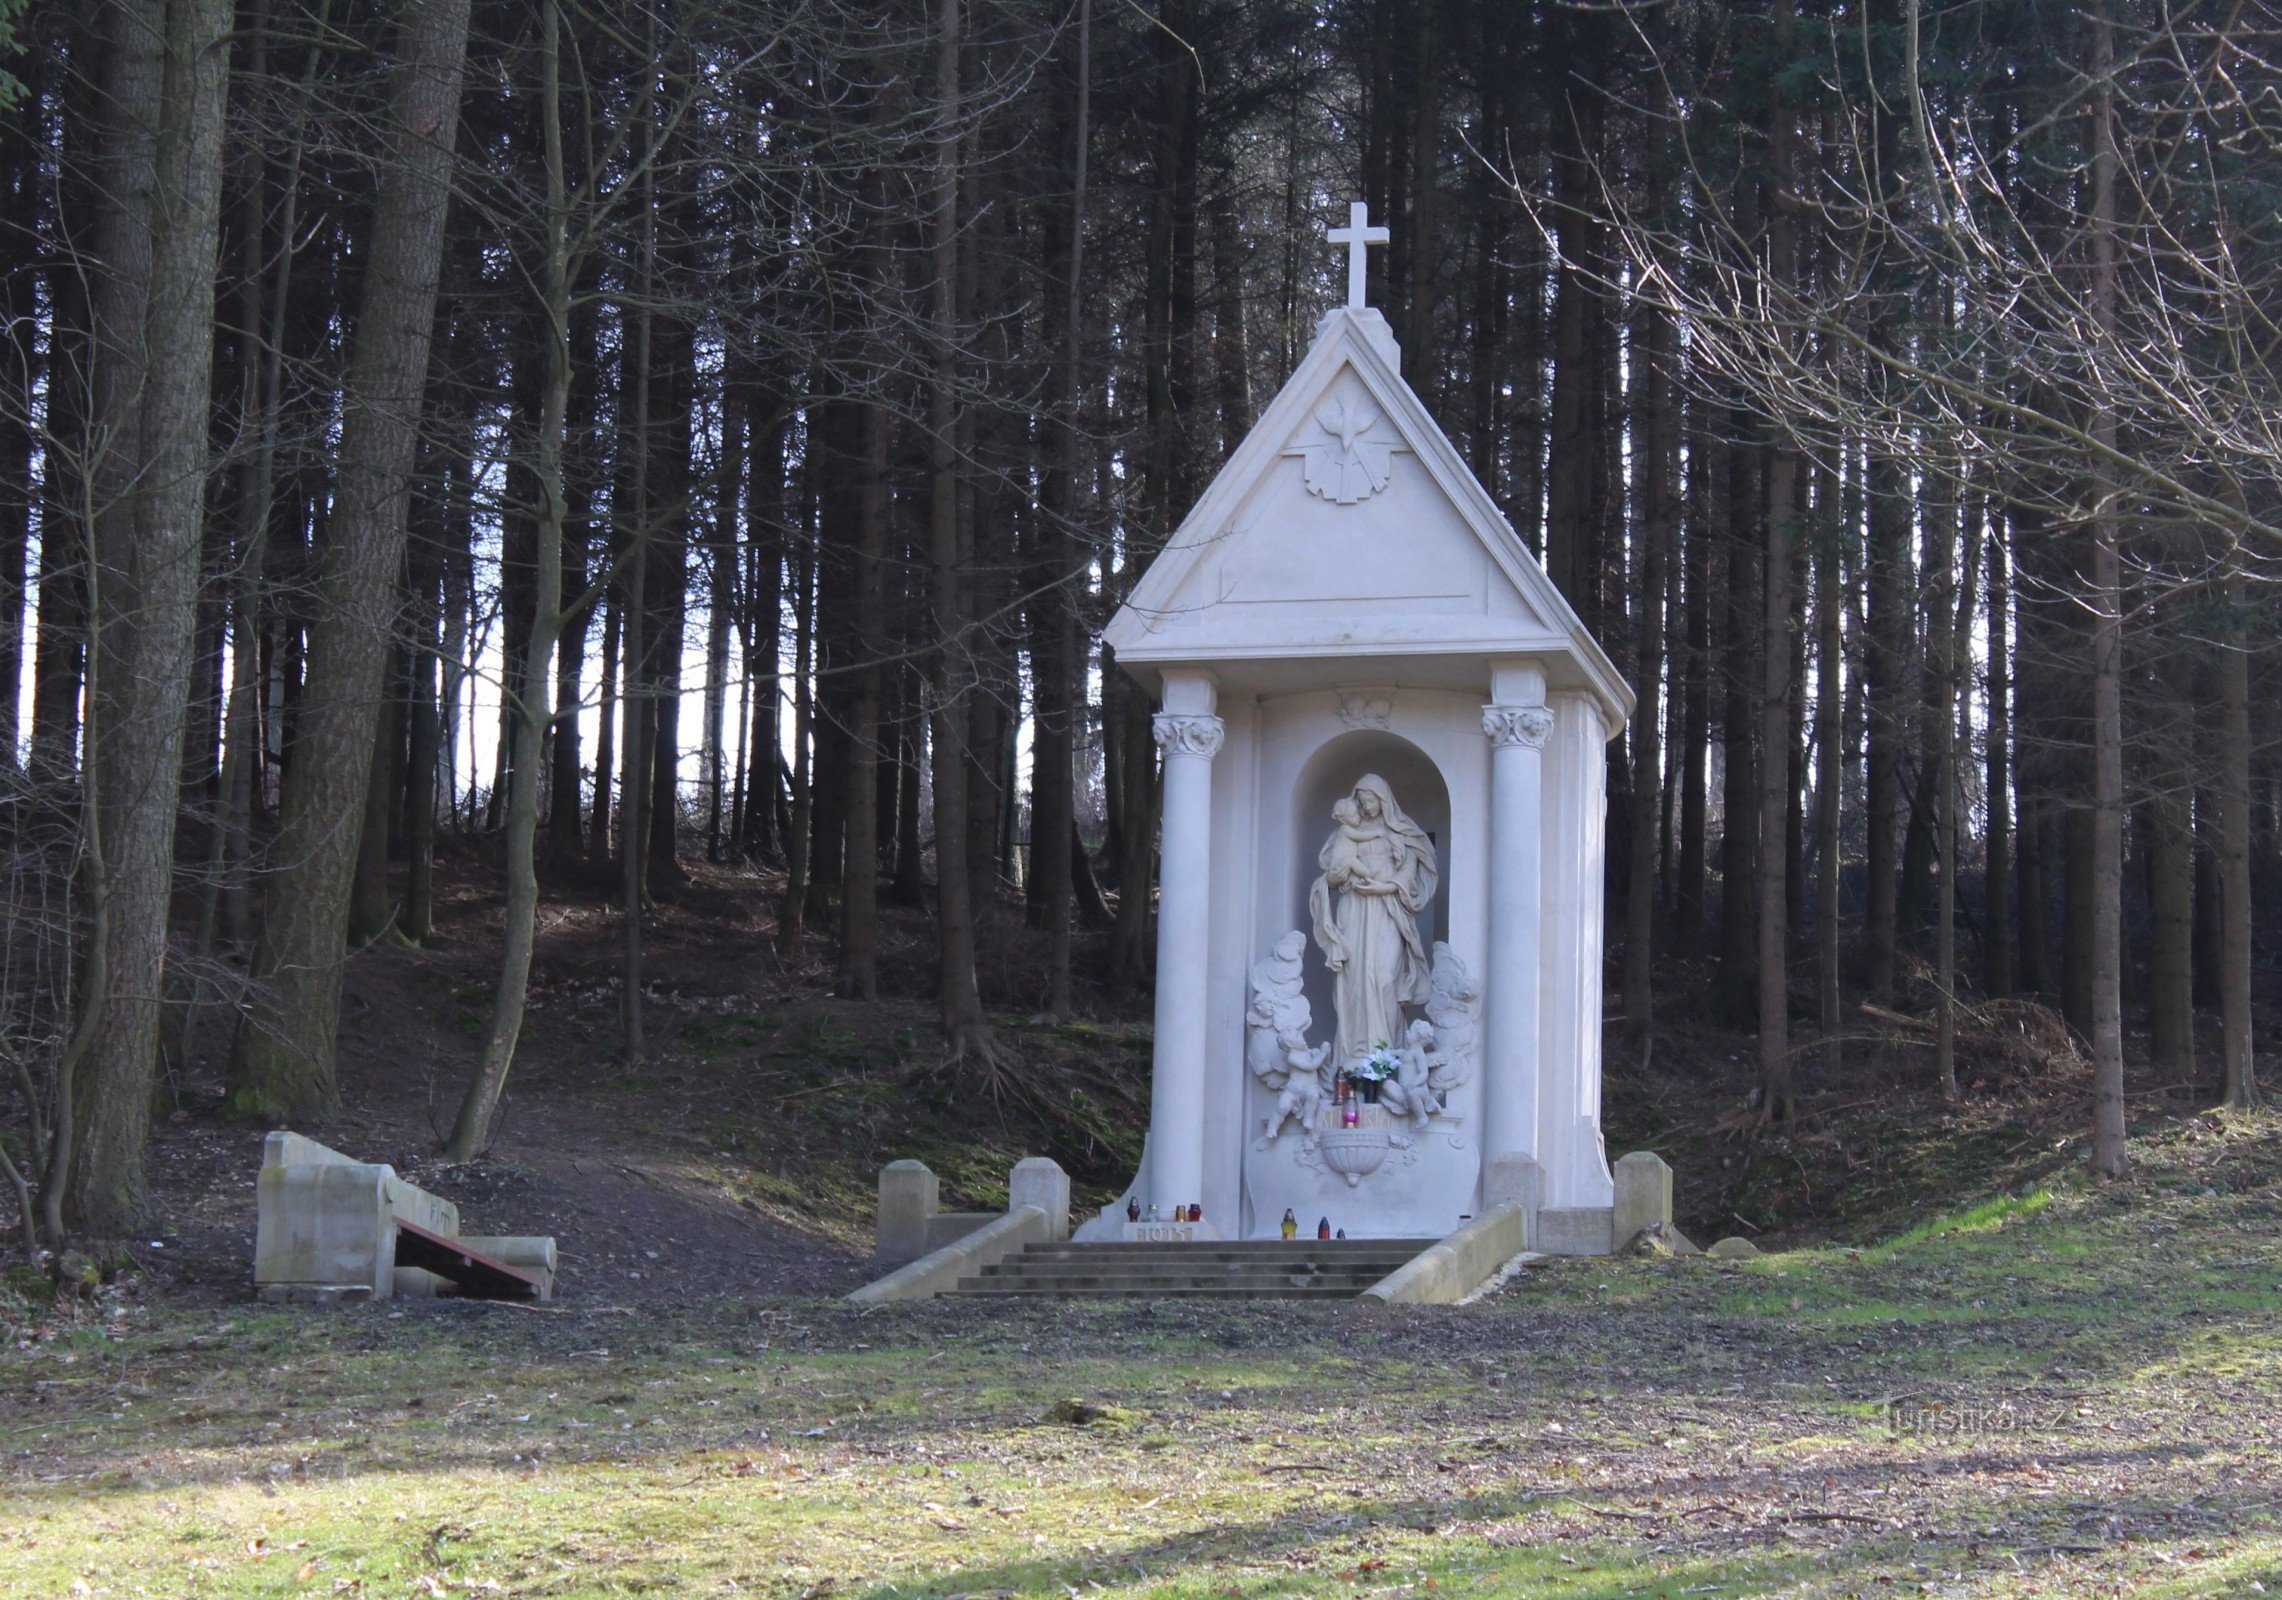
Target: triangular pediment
(1346,525)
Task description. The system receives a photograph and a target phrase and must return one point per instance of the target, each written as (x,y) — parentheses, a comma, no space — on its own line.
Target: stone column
(1517,734)
(1569,1079)
(1190,737)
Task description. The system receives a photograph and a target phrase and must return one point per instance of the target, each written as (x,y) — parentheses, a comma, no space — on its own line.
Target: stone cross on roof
(1358,236)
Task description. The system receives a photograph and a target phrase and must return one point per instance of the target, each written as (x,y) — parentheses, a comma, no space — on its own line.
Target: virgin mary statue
(1378,873)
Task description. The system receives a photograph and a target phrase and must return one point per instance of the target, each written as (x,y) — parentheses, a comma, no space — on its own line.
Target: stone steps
(1278,1249)
(1264,1269)
(1087,1289)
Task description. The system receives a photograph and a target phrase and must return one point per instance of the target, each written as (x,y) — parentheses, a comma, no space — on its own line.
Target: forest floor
(2070,1392)
(1960,1370)
(742,1156)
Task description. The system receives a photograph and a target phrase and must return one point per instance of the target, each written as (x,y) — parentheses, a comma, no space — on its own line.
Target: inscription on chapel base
(1170,1232)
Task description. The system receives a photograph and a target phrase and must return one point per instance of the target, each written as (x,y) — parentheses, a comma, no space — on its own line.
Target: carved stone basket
(1352,1152)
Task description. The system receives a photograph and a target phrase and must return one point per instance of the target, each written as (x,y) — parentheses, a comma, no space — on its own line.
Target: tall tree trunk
(1777,631)
(1429,49)
(2045,703)
(419,920)
(281,1064)
(1887,565)
(636,710)
(371,911)
(1997,856)
(667,436)
(1231,327)
(21,377)
(1572,537)
(459,600)
(637,722)
(1707,493)
(2079,892)
(148,550)
(1054,659)
(832,645)
(792,918)
(2105,602)
(1735,986)
(2170,839)
(957,997)
(2234,808)
(764,599)
(564,782)
(1796,754)
(66,489)
(437,538)
(471,1129)
(1658,444)
(605,733)
(858,975)
(990,529)
(910,885)
(2034,863)
(1490,433)
(721,571)
(1940,747)
(526,338)
(1830,776)
(1884,651)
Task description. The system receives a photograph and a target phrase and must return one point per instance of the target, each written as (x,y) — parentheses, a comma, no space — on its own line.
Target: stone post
(1517,728)
(1514,1179)
(1040,1181)
(1643,1195)
(1190,737)
(909,1195)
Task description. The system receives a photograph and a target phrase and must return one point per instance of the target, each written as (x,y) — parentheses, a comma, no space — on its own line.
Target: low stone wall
(913,1224)
(1447,1272)
(1576,1231)
(949,1227)
(942,1269)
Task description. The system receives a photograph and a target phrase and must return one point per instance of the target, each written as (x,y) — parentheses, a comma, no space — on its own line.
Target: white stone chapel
(1379,926)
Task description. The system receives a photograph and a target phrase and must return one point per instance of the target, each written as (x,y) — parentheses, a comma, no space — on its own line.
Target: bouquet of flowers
(1378,1067)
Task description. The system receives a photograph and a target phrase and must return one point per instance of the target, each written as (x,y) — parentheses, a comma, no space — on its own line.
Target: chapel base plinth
(1422,1187)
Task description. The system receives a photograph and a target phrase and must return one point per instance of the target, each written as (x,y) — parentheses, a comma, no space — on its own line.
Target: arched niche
(1328,775)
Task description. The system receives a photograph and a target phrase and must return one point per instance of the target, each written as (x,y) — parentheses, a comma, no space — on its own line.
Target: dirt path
(636,1218)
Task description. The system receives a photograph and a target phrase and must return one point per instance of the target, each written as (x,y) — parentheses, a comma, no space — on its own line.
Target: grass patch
(1986,1217)
(2104,1367)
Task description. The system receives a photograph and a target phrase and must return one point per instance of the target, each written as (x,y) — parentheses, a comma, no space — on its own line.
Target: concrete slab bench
(331,1228)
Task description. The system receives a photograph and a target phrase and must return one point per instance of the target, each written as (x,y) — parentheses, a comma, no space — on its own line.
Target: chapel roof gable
(1346,525)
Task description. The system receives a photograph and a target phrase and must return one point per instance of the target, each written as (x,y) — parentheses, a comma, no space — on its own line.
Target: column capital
(1179,734)
(1529,726)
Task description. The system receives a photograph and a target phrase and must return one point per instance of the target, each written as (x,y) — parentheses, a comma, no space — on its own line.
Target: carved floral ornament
(1530,726)
(1179,735)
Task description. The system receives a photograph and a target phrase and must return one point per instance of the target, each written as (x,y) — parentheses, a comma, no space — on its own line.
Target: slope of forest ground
(2087,1378)
(2071,1392)
(742,1156)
